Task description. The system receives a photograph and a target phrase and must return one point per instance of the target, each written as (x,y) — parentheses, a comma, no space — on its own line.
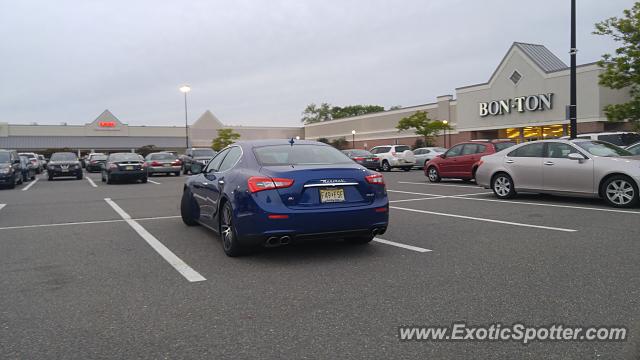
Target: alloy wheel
(433,174)
(227,228)
(502,186)
(620,192)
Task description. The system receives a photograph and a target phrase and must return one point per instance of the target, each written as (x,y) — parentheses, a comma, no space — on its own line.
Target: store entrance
(532,133)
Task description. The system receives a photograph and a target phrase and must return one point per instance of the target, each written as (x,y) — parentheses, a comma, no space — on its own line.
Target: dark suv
(64,164)
(196,155)
(10,169)
(461,161)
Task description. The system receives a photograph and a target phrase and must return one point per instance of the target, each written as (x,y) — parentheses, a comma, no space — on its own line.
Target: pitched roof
(542,56)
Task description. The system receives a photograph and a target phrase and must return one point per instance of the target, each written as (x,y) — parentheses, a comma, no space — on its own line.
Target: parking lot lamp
(445,122)
(185,89)
(353,139)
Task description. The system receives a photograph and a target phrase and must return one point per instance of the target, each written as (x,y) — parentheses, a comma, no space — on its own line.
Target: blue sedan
(273,192)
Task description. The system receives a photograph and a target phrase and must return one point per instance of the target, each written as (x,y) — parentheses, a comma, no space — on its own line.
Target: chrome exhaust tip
(285,240)
(272,242)
(375,232)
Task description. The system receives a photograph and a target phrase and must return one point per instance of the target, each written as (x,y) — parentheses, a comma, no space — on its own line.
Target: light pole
(185,89)
(353,139)
(573,107)
(445,123)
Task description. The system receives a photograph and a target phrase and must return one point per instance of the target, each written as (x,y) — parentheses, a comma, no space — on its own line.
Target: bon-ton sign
(520,104)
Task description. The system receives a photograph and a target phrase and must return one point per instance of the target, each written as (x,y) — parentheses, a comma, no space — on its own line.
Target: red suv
(461,161)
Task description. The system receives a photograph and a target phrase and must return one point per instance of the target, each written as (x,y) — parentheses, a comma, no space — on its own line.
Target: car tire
(188,208)
(407,168)
(33,177)
(185,171)
(433,174)
(503,186)
(109,179)
(13,182)
(362,240)
(102,177)
(385,166)
(144,180)
(177,173)
(50,177)
(228,235)
(620,191)
(79,176)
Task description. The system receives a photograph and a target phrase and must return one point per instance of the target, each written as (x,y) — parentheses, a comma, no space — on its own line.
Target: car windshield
(600,148)
(300,155)
(63,157)
(624,139)
(166,156)
(358,152)
(123,157)
(503,145)
(99,157)
(204,152)
(4,157)
(439,149)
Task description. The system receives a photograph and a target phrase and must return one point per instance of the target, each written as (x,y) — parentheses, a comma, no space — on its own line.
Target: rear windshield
(4,157)
(599,148)
(625,139)
(204,152)
(122,157)
(439,149)
(302,154)
(503,145)
(162,157)
(99,157)
(64,157)
(30,156)
(402,148)
(358,152)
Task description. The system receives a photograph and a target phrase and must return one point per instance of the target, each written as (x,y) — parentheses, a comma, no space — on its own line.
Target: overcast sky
(262,62)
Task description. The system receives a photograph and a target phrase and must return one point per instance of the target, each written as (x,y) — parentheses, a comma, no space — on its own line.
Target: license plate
(129,168)
(65,170)
(331,195)
(167,165)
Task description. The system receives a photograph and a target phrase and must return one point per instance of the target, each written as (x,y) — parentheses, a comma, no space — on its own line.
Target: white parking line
(432,184)
(414,193)
(30,184)
(184,269)
(2,205)
(418,199)
(463,197)
(404,246)
(485,219)
(91,181)
(153,182)
(437,196)
(84,222)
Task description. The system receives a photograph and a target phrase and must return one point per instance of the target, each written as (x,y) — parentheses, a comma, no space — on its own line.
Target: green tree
(338,112)
(422,126)
(395,107)
(419,144)
(340,143)
(314,113)
(225,138)
(323,140)
(622,70)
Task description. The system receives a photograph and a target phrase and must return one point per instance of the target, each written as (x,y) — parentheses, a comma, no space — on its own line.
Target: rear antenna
(291,141)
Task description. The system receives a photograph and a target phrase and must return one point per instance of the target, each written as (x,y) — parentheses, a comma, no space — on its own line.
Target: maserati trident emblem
(332,181)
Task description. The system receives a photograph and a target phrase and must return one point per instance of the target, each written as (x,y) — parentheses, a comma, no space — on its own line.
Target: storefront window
(531,133)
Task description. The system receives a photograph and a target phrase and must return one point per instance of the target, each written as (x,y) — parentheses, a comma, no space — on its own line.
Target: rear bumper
(401,163)
(132,174)
(256,228)
(163,170)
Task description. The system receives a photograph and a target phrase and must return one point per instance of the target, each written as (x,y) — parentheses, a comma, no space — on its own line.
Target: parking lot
(91,270)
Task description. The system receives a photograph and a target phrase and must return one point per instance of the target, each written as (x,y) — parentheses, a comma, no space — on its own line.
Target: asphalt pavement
(91,271)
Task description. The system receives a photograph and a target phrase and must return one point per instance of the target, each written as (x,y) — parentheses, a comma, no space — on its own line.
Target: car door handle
(509,161)
(549,163)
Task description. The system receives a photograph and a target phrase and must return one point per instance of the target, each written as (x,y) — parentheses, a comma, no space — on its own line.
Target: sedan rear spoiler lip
(331,184)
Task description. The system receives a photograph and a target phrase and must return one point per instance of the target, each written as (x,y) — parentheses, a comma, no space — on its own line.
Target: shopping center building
(524,99)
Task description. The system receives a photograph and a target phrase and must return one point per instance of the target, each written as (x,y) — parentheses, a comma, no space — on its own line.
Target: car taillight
(358,158)
(144,164)
(92,161)
(258,183)
(113,166)
(376,179)
(33,161)
(176,163)
(393,153)
(155,163)
(375,159)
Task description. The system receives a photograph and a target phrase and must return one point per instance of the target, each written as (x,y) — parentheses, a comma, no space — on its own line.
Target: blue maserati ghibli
(274,192)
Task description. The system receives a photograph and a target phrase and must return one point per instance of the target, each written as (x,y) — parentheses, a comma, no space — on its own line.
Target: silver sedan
(427,153)
(579,167)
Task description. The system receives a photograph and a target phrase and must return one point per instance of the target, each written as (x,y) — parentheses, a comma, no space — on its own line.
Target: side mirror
(442,156)
(16,161)
(196,168)
(575,156)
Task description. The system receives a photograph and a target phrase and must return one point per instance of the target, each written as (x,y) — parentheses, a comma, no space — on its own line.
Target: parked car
(620,138)
(43,161)
(364,158)
(200,155)
(394,156)
(461,161)
(427,153)
(163,163)
(64,164)
(10,171)
(272,192)
(634,149)
(124,166)
(95,162)
(581,167)
(33,158)
(28,171)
